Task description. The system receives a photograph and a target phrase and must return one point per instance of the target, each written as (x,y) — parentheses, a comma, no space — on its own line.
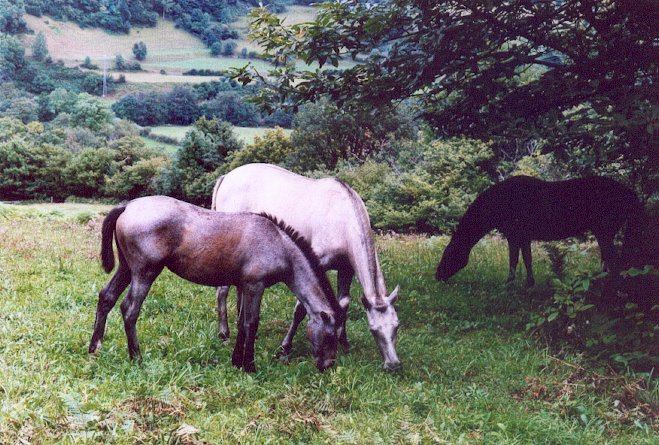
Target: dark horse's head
(321,332)
(455,257)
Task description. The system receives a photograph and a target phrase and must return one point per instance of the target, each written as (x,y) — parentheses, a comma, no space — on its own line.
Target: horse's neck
(472,227)
(365,263)
(309,291)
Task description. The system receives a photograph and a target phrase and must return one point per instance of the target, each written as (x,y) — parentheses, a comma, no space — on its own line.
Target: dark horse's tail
(107,233)
(633,251)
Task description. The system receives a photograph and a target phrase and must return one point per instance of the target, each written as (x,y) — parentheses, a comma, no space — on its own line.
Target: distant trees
(11,17)
(40,48)
(139,50)
(12,57)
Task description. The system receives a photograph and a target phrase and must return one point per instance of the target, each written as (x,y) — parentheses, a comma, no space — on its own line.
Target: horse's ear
(394,295)
(366,303)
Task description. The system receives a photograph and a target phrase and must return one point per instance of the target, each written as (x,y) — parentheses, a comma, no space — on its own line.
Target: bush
(139,50)
(273,148)
(618,330)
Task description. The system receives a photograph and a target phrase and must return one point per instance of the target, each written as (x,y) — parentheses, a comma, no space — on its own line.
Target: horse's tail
(107,233)
(215,191)
(635,231)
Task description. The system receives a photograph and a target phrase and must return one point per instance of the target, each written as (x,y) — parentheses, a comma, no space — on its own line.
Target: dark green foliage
(578,77)
(273,148)
(230,106)
(120,64)
(324,135)
(88,64)
(11,17)
(200,161)
(229,48)
(216,48)
(143,109)
(40,48)
(621,329)
(182,106)
(426,188)
(139,50)
(12,57)
(38,162)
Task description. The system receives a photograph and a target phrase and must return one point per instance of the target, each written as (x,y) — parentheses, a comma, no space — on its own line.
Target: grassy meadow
(178,132)
(472,374)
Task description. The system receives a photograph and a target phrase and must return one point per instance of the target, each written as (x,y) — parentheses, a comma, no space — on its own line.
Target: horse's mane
(305,246)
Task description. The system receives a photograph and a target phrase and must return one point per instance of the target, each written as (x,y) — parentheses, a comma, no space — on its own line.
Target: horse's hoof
(224,337)
(237,361)
(250,367)
(345,344)
(283,354)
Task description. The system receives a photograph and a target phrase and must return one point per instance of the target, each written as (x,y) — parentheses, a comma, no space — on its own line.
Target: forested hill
(205,18)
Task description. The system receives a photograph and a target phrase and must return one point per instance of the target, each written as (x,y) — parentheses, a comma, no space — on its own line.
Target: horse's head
(383,324)
(321,332)
(454,258)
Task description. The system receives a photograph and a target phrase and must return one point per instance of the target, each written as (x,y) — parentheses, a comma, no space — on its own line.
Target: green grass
(212,63)
(471,374)
(167,148)
(178,132)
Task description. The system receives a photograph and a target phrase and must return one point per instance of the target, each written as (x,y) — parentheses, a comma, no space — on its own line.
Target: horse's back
(319,209)
(530,208)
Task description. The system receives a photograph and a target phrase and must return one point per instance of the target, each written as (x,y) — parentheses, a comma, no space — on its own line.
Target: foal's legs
(107,298)
(130,308)
(513,258)
(344,279)
(222,323)
(248,324)
(528,260)
(287,343)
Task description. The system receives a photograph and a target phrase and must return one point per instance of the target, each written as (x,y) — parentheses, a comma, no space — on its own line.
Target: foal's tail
(107,233)
(633,252)
(215,191)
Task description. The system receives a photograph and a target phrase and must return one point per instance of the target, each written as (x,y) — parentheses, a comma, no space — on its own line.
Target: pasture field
(178,132)
(472,374)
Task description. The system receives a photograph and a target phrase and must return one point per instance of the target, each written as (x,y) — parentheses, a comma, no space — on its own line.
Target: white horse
(332,217)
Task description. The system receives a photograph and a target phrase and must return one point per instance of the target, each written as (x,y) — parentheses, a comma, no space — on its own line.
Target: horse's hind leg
(130,308)
(107,298)
(287,343)
(222,323)
(609,256)
(528,262)
(513,258)
(344,279)
(243,354)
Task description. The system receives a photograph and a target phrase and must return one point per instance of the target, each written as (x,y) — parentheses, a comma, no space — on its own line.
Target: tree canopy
(579,76)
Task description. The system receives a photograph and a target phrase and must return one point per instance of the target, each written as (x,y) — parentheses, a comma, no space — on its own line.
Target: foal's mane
(314,262)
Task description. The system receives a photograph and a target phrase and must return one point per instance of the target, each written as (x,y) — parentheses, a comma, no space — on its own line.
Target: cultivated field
(472,375)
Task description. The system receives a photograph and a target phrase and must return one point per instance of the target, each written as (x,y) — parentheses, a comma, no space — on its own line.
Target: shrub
(40,48)
(273,148)
(139,50)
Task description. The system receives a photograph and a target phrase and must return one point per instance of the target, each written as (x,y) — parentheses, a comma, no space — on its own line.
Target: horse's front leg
(513,258)
(344,280)
(251,307)
(130,309)
(287,343)
(222,322)
(107,298)
(528,262)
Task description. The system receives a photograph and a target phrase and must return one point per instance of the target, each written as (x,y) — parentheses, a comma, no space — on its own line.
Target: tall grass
(471,373)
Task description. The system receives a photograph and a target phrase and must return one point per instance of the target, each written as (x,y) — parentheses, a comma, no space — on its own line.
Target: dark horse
(525,209)
(246,250)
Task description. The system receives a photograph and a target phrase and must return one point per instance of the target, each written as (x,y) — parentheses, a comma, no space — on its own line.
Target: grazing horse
(246,250)
(525,209)
(333,218)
